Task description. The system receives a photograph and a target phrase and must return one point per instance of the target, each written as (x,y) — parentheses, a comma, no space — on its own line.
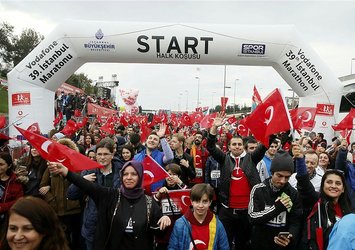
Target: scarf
(137,191)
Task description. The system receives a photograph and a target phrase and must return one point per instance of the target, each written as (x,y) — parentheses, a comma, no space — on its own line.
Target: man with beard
(199,155)
(183,159)
(237,177)
(152,145)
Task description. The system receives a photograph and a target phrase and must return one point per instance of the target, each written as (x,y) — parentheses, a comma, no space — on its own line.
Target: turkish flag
(303,118)
(77,113)
(185,120)
(232,120)
(145,132)
(241,129)
(181,198)
(2,121)
(4,137)
(70,128)
(34,128)
(56,152)
(346,123)
(83,122)
(208,120)
(58,119)
(346,134)
(153,172)
(224,101)
(123,121)
(196,116)
(108,127)
(256,99)
(269,117)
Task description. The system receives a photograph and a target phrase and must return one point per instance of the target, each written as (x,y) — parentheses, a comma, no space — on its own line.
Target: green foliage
(82,81)
(3,101)
(14,48)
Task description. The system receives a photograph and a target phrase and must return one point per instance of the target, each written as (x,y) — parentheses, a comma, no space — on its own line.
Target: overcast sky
(328,26)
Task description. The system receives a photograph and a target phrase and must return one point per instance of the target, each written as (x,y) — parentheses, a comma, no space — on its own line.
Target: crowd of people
(292,194)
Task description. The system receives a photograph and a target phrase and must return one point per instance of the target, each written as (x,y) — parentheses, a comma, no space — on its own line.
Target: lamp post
(351,66)
(198,90)
(187,100)
(224,81)
(235,87)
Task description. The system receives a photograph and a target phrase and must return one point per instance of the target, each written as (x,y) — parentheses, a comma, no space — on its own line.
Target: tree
(24,44)
(14,48)
(6,38)
(82,81)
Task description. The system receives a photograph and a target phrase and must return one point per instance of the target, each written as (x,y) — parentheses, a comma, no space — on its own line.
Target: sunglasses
(330,171)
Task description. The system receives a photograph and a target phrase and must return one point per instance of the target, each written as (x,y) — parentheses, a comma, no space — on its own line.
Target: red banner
(67,88)
(94,109)
(224,101)
(21,99)
(325,109)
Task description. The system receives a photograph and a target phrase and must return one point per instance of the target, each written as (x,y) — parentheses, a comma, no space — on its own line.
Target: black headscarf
(137,191)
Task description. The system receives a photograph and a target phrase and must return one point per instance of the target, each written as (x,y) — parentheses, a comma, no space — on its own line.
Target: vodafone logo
(20,113)
(324,123)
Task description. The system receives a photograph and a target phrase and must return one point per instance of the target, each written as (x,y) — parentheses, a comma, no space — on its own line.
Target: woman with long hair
(35,167)
(10,188)
(323,209)
(33,224)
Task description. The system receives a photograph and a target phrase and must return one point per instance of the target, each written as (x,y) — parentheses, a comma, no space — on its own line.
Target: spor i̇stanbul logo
(99,45)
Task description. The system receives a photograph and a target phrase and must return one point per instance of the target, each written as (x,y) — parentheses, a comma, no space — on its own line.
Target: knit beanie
(282,162)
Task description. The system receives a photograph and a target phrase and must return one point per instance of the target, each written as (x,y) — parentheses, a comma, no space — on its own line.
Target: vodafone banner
(94,109)
(67,88)
(75,43)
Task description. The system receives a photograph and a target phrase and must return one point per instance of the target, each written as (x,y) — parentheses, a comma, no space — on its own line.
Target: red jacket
(13,191)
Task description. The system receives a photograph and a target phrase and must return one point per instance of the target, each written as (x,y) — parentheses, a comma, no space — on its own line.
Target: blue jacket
(180,237)
(343,234)
(90,212)
(162,158)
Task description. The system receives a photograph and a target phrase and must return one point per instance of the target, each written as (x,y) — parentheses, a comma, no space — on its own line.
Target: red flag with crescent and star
(57,119)
(208,120)
(346,123)
(34,128)
(56,152)
(270,117)
(303,118)
(153,172)
(181,198)
(241,128)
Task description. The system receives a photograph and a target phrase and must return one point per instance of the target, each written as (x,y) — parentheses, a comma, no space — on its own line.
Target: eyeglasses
(103,154)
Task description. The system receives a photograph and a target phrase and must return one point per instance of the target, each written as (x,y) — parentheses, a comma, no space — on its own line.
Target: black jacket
(248,164)
(109,230)
(269,217)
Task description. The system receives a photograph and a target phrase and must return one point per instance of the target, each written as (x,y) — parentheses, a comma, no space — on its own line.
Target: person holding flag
(168,207)
(125,215)
(237,177)
(323,209)
(199,228)
(152,149)
(108,176)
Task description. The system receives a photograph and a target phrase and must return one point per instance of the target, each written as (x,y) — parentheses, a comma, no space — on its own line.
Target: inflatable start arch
(33,81)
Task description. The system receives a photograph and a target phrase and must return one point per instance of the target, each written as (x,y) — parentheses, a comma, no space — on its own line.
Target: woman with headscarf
(126,217)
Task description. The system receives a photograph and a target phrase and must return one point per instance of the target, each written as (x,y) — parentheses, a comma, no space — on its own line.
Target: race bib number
(278,221)
(215,174)
(198,172)
(166,208)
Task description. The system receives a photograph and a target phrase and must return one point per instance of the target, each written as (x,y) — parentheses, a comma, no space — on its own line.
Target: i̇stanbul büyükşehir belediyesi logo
(99,45)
